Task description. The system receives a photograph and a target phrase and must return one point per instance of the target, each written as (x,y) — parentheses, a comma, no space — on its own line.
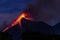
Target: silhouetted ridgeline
(39,31)
(35,31)
(41,27)
(57,28)
(15,32)
(36,26)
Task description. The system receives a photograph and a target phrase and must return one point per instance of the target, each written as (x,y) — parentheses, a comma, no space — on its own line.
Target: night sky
(43,10)
(10,9)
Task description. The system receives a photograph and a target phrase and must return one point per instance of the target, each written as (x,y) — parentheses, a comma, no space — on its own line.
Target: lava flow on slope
(18,21)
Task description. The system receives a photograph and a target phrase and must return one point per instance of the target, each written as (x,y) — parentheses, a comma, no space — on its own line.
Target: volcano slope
(35,31)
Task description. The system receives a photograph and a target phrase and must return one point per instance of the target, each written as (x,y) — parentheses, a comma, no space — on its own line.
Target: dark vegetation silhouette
(5,36)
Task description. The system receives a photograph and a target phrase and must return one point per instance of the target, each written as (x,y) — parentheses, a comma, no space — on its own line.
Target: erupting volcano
(18,21)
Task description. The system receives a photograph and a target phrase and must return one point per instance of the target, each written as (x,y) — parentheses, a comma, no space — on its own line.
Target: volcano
(35,31)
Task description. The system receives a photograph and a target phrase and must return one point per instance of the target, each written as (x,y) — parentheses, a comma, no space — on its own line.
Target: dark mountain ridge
(38,30)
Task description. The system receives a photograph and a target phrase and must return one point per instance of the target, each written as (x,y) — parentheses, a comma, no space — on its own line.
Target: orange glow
(23,15)
(18,20)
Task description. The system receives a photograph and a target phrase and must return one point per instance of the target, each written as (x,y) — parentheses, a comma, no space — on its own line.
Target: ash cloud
(44,10)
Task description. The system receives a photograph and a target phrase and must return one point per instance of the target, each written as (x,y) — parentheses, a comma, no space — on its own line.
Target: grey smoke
(45,10)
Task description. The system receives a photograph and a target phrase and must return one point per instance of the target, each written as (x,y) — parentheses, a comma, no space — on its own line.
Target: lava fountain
(18,21)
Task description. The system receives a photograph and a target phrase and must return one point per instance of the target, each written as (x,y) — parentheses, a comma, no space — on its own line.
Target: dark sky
(10,9)
(48,10)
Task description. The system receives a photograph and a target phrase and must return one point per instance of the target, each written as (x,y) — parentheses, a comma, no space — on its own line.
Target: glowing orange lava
(18,20)
(23,15)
